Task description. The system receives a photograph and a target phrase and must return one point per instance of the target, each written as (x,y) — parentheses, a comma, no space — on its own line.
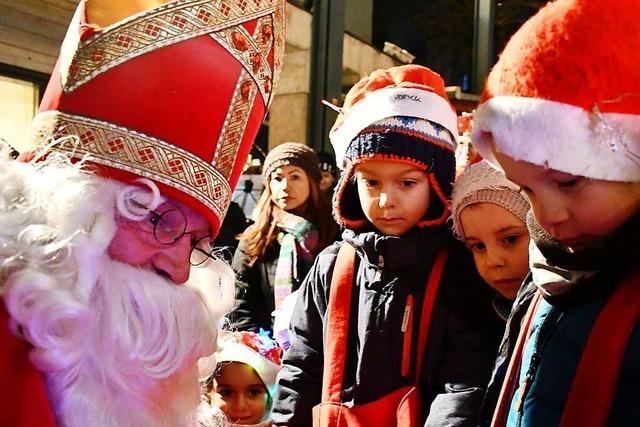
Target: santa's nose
(173,261)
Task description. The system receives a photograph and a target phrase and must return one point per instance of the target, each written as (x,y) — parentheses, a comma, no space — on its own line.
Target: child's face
(499,241)
(393,195)
(577,211)
(289,187)
(240,393)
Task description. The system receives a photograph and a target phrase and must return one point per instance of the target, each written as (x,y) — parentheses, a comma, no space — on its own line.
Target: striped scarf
(298,238)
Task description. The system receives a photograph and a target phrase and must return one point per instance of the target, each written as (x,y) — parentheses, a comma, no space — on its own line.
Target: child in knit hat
(243,383)
(392,326)
(561,116)
(488,214)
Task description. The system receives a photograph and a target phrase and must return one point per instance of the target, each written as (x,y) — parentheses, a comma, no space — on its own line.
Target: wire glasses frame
(170,226)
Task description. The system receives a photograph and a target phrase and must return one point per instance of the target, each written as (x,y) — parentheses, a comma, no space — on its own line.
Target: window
(20,92)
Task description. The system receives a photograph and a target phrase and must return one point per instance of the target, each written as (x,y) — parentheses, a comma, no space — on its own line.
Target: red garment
(23,396)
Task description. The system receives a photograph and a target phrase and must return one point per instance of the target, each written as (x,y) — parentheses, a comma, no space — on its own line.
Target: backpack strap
(339,308)
(595,382)
(513,371)
(430,295)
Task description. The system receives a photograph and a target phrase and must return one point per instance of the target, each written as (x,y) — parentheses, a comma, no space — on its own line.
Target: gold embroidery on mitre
(121,148)
(252,51)
(278,45)
(234,125)
(162,26)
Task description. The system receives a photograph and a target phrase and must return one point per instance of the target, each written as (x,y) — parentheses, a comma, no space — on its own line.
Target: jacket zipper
(407,331)
(553,316)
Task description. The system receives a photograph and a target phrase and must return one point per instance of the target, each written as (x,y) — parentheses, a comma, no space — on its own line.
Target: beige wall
(288,116)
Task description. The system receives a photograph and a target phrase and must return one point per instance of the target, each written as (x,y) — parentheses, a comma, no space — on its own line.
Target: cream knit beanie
(481,183)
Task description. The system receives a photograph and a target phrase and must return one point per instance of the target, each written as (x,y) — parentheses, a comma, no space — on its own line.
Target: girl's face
(240,393)
(499,242)
(290,188)
(394,196)
(578,211)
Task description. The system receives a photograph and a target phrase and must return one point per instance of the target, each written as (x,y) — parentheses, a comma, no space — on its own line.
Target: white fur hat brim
(236,352)
(560,136)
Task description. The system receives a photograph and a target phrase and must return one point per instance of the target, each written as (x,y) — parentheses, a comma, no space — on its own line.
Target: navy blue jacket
(462,341)
(564,331)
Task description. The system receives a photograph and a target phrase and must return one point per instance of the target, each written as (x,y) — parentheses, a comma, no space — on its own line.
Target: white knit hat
(481,183)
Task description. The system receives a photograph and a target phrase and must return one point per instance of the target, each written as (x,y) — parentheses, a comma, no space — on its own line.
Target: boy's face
(240,393)
(578,211)
(394,196)
(499,241)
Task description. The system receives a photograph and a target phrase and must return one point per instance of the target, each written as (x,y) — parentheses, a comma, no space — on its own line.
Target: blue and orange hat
(399,114)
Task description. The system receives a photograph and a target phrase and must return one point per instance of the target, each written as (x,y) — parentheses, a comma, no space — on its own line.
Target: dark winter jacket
(462,341)
(559,337)
(519,309)
(254,289)
(234,223)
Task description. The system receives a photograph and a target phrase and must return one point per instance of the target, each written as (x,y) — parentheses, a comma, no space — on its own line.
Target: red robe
(23,396)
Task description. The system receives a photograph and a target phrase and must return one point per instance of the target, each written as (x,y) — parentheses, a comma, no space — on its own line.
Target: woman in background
(293,223)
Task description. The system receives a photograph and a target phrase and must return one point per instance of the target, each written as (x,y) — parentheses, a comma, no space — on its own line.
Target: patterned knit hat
(565,93)
(295,154)
(175,93)
(257,350)
(481,183)
(399,114)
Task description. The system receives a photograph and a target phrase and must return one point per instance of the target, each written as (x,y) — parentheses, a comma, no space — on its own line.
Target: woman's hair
(261,234)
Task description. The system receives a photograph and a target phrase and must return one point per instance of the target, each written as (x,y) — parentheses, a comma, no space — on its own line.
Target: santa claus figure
(110,290)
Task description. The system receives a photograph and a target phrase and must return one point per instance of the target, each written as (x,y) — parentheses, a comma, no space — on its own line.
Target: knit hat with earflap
(565,93)
(481,183)
(399,114)
(295,154)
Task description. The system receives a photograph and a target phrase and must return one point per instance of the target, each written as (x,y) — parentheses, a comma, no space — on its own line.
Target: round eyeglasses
(170,226)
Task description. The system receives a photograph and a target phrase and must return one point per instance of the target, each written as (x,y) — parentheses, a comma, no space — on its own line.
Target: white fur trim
(236,352)
(560,136)
(390,102)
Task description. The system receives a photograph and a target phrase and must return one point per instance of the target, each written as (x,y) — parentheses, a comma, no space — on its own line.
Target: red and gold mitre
(175,93)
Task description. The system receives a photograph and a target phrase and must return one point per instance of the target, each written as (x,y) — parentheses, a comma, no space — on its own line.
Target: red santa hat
(175,94)
(565,93)
(403,91)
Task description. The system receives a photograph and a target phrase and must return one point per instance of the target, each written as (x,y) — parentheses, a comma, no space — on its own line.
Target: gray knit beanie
(481,183)
(295,154)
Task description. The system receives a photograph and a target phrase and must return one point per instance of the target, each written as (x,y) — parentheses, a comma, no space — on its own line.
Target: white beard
(141,344)
(118,345)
